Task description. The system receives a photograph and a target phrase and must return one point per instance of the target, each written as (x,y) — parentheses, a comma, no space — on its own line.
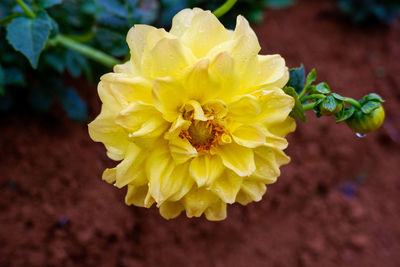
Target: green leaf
(311,77)
(279,3)
(329,103)
(48,3)
(322,88)
(73,104)
(370,106)
(29,36)
(75,63)
(55,59)
(297,110)
(297,78)
(345,114)
(112,42)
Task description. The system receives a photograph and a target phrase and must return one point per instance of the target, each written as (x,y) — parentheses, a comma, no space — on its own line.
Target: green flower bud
(363,123)
(328,112)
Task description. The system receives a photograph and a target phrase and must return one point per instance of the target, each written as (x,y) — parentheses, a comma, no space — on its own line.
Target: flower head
(196,117)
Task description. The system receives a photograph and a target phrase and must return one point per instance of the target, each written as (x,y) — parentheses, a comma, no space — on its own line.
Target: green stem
(310,97)
(26,9)
(352,102)
(219,12)
(309,106)
(85,50)
(303,92)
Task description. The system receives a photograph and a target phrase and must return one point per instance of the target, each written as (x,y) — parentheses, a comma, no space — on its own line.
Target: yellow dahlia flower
(196,117)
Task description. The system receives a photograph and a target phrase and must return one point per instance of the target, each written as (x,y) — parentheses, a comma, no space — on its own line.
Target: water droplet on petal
(361,135)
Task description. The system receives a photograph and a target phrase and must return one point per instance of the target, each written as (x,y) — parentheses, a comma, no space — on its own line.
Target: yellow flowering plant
(198,119)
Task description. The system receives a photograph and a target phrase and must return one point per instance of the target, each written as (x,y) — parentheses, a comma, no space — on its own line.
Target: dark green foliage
(365,11)
(101,24)
(253,10)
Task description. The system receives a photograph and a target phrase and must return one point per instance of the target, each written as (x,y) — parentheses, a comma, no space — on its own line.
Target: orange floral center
(204,135)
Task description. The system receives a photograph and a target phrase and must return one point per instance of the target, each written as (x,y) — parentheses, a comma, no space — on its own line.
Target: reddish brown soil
(336,204)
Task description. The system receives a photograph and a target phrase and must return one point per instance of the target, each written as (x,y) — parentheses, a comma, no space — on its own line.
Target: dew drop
(361,135)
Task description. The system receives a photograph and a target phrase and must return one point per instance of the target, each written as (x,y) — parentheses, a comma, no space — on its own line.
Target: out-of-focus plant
(253,10)
(364,11)
(42,40)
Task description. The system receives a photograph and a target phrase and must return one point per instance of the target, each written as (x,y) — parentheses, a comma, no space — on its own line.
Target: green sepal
(338,97)
(297,79)
(345,114)
(373,97)
(370,106)
(297,110)
(322,88)
(329,104)
(311,77)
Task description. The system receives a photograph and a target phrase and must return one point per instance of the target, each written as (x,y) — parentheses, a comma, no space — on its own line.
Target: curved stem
(85,50)
(309,106)
(219,12)
(310,97)
(26,9)
(352,102)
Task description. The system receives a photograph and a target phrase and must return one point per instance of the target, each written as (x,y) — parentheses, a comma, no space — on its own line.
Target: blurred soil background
(335,204)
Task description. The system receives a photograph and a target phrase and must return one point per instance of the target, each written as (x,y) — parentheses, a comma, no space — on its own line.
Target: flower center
(204,135)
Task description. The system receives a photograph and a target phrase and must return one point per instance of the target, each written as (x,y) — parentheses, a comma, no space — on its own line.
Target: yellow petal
(216,212)
(205,32)
(167,181)
(137,41)
(268,160)
(168,97)
(197,80)
(283,128)
(272,71)
(181,150)
(223,72)
(217,108)
(127,89)
(170,210)
(197,201)
(255,190)
(250,135)
(142,120)
(159,167)
(205,169)
(198,113)
(227,186)
(110,101)
(177,126)
(182,21)
(275,106)
(237,158)
(245,109)
(104,129)
(131,169)
(168,58)
(138,196)
(109,175)
(180,182)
